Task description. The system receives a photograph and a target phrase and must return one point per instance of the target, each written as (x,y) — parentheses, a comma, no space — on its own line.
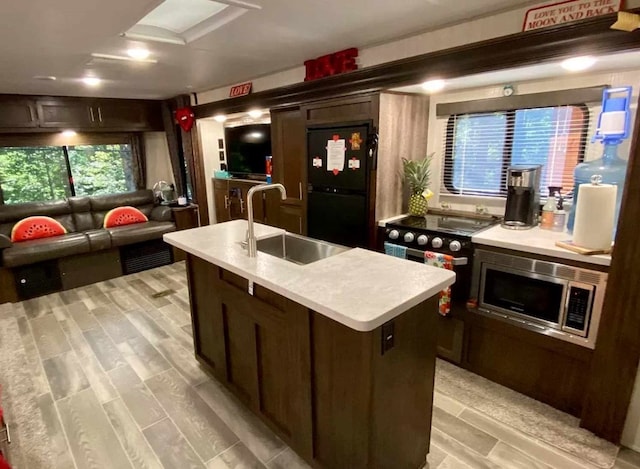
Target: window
(481,146)
(54,172)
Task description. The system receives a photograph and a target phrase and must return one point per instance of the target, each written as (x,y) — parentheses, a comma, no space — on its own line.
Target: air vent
(544,268)
(586,276)
(566,272)
(522,263)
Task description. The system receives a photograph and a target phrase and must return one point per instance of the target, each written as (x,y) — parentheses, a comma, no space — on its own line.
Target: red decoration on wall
(185,118)
(331,64)
(240,90)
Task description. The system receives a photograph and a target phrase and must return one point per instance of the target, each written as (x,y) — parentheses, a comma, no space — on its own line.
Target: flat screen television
(247,149)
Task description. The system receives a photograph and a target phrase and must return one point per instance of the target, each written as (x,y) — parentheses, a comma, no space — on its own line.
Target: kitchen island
(337,356)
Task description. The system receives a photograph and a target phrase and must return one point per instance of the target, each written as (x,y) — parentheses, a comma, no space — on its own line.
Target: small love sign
(240,90)
(568,11)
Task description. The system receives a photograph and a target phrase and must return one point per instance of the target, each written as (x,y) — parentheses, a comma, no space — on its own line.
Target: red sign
(240,90)
(568,11)
(332,64)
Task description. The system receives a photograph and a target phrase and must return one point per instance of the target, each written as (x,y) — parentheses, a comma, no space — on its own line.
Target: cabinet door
(288,141)
(127,114)
(450,338)
(267,348)
(283,215)
(66,113)
(17,113)
(221,201)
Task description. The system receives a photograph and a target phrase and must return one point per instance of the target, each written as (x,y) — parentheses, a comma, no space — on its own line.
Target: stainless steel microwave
(546,297)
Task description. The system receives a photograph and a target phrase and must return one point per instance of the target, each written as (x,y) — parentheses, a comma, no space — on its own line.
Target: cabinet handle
(93,119)
(99,113)
(300,189)
(226,201)
(241,205)
(7,436)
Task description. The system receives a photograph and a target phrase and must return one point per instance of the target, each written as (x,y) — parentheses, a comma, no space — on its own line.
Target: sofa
(87,252)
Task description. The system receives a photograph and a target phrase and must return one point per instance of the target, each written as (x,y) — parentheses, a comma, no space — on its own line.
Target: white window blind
(479,147)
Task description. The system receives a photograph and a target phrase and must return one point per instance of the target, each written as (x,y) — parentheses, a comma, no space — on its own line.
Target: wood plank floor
(104,377)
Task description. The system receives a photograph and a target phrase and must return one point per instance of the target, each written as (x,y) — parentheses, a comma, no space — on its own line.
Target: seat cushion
(38,250)
(129,234)
(98,239)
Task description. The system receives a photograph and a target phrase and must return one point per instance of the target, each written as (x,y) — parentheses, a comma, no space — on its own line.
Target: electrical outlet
(388,336)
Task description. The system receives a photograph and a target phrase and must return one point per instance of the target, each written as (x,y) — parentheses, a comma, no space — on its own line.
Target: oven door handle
(455,261)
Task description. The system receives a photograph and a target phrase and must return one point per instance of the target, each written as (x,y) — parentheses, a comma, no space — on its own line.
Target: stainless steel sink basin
(298,249)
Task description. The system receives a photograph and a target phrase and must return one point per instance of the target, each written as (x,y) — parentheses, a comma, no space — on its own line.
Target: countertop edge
(543,251)
(360,326)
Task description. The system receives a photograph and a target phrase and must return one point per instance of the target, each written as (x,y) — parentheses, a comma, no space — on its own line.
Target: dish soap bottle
(613,128)
(559,215)
(547,210)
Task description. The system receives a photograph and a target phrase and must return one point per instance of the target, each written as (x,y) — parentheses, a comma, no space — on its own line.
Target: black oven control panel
(427,241)
(579,299)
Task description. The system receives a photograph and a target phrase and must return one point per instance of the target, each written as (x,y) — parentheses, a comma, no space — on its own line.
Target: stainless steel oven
(547,297)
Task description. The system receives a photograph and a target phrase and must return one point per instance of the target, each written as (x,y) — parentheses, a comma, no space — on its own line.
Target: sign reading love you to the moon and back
(568,11)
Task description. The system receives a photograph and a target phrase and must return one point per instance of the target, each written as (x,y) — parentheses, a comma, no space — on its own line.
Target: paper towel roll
(595,214)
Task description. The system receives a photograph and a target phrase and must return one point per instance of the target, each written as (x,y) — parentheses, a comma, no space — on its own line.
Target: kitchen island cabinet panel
(262,341)
(206,315)
(329,391)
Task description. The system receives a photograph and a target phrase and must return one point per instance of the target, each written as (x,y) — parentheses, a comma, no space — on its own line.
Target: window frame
(58,140)
(507,150)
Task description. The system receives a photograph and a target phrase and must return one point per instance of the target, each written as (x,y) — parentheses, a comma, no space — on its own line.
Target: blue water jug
(613,170)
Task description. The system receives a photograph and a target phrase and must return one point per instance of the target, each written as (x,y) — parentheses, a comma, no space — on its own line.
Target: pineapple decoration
(417,175)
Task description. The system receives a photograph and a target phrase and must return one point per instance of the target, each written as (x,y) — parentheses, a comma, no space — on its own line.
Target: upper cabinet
(128,114)
(58,113)
(19,113)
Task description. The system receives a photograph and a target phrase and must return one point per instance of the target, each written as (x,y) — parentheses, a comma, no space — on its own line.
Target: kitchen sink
(298,249)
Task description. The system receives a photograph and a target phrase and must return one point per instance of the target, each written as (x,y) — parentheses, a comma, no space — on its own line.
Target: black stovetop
(443,223)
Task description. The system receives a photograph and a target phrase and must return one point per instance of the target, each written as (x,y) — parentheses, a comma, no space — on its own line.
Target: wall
(158,160)
(480,29)
(210,131)
(437,127)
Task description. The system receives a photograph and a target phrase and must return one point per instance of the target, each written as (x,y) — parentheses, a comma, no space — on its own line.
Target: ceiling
(613,62)
(46,38)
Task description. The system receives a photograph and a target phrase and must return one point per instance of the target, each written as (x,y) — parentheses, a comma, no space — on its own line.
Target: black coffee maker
(523,197)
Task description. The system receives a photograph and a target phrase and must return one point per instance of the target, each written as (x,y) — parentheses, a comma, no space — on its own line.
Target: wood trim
(615,359)
(592,36)
(552,98)
(195,162)
(56,139)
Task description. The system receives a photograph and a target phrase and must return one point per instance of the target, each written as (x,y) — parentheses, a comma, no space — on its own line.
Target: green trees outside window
(44,173)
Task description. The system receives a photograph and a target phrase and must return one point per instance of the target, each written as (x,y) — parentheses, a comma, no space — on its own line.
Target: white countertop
(534,241)
(358,288)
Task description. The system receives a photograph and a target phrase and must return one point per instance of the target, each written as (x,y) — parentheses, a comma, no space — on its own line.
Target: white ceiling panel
(42,37)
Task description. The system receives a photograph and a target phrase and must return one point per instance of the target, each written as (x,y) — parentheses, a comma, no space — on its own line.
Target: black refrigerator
(338,168)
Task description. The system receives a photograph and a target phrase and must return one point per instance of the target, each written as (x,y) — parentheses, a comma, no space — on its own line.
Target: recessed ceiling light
(433,86)
(91,81)
(255,113)
(220,118)
(69,133)
(577,64)
(138,53)
(45,77)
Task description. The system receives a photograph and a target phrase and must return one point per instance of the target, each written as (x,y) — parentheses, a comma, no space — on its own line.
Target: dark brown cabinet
(230,199)
(330,392)
(249,341)
(17,113)
(127,114)
(288,141)
(20,113)
(72,114)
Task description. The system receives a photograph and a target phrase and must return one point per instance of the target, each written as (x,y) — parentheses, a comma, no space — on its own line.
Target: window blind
(479,148)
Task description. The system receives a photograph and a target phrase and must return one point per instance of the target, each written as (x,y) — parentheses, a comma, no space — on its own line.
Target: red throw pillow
(121,216)
(35,228)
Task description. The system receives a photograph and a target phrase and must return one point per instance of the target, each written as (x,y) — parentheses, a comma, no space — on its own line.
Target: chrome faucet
(251,237)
